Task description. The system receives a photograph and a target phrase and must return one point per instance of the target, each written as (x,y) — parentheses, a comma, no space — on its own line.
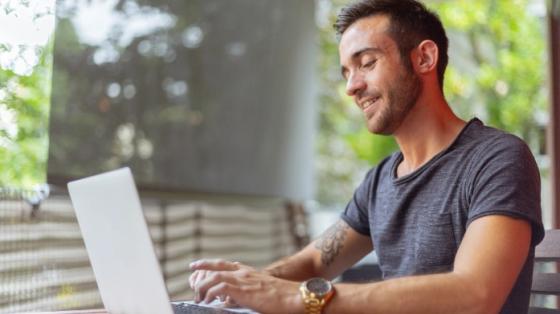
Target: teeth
(369,103)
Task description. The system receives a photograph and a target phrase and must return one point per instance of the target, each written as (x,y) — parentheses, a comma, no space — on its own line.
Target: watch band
(313,305)
(313,302)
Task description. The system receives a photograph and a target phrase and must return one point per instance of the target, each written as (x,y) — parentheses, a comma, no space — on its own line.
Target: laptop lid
(118,243)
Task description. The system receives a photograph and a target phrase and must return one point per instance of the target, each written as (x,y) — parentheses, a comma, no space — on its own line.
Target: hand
(245,286)
(199,275)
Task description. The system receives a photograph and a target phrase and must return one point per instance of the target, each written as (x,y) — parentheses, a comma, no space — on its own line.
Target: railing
(44,265)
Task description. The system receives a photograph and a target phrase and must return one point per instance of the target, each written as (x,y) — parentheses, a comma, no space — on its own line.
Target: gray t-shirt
(417,221)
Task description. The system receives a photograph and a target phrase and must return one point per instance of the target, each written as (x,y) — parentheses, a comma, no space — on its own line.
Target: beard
(403,92)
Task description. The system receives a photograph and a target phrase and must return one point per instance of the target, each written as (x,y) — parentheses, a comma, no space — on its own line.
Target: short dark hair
(411,23)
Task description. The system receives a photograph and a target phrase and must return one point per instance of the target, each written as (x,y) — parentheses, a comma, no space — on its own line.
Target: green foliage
(496,72)
(25,82)
(501,74)
(24,101)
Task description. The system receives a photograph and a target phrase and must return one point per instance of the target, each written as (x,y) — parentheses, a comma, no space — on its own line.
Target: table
(73,312)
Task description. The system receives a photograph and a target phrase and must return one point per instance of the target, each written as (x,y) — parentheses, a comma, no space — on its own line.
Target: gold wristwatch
(316,293)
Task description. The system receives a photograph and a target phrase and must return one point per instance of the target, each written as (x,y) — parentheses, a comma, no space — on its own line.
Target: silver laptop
(120,249)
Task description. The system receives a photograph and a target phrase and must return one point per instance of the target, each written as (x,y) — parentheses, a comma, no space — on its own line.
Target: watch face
(319,286)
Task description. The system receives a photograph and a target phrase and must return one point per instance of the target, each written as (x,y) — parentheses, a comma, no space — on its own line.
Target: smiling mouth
(369,103)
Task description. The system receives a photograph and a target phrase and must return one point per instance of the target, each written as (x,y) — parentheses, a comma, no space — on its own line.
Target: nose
(355,84)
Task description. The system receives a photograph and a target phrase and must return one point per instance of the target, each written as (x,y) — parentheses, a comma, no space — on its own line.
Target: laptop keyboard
(188,308)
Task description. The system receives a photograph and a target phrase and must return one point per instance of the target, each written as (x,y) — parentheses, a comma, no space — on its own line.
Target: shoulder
(495,158)
(492,144)
(503,179)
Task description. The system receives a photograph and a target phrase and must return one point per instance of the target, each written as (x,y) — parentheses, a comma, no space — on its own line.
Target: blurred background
(233,117)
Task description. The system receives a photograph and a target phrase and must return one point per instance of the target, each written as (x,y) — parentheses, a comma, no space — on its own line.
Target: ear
(425,57)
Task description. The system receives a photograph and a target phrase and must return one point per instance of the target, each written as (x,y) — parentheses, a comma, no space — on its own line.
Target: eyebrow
(357,54)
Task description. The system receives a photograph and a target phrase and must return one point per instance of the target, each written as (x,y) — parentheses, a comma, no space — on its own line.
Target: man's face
(376,78)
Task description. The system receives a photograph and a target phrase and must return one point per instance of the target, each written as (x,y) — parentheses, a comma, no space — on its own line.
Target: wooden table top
(98,311)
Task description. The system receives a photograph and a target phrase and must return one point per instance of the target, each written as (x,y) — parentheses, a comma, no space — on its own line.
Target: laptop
(120,249)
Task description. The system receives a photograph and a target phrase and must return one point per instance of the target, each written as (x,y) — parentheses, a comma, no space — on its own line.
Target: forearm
(298,267)
(441,293)
(338,248)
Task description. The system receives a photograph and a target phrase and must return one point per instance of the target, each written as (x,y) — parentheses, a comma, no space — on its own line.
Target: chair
(547,283)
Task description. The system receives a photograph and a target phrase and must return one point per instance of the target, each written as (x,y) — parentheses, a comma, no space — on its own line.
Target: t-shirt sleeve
(507,182)
(356,212)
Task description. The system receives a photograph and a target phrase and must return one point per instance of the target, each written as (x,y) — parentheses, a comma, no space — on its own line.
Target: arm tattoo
(331,242)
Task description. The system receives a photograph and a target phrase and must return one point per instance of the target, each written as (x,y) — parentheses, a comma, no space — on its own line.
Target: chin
(375,129)
(378,128)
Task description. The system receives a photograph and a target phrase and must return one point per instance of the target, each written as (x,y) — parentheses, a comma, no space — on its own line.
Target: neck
(429,128)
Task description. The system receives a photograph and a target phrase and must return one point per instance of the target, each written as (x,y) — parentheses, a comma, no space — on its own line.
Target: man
(454,216)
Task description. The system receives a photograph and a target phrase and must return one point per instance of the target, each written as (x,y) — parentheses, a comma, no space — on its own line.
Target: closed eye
(369,64)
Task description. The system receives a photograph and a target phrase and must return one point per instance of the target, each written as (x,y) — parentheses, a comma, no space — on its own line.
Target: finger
(195,277)
(211,280)
(192,278)
(200,276)
(229,302)
(214,264)
(218,290)
(202,285)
